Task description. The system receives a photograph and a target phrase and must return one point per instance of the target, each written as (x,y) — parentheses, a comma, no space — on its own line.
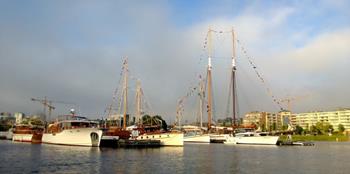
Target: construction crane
(290,100)
(48,105)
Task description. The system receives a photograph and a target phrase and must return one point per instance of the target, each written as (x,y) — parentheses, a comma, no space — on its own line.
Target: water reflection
(324,157)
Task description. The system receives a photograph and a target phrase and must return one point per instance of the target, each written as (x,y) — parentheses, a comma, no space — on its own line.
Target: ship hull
(218,138)
(197,139)
(6,135)
(254,140)
(74,137)
(22,137)
(166,139)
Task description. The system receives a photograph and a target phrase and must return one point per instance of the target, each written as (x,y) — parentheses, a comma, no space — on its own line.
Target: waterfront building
(270,121)
(252,118)
(340,116)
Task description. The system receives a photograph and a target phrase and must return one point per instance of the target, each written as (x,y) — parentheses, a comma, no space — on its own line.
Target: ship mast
(209,106)
(125,92)
(201,96)
(233,80)
(138,101)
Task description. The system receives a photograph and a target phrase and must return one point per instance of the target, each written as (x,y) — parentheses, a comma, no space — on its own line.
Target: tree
(324,127)
(299,130)
(274,126)
(313,129)
(327,127)
(341,128)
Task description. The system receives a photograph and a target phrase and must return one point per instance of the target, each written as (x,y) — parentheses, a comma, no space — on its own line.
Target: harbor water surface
(324,157)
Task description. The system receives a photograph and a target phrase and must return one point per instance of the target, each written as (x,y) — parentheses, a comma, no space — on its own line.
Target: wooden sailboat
(139,132)
(114,130)
(215,137)
(145,132)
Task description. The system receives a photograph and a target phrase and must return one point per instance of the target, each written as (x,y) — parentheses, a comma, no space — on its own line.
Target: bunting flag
(260,76)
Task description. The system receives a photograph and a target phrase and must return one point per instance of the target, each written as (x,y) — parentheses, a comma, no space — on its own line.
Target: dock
(295,143)
(121,143)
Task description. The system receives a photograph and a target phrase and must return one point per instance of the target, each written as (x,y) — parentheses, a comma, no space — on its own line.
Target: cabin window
(153,136)
(141,137)
(147,137)
(160,136)
(168,135)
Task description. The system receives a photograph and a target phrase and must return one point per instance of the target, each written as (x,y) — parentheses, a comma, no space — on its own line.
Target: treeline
(321,128)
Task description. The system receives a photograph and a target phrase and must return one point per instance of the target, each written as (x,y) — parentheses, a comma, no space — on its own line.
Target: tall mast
(201,93)
(233,79)
(209,79)
(125,92)
(138,101)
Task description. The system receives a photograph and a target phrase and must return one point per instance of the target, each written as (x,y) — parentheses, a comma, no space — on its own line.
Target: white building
(340,116)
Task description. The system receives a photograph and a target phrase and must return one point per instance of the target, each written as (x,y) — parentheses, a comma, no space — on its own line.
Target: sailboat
(247,137)
(215,136)
(139,131)
(195,134)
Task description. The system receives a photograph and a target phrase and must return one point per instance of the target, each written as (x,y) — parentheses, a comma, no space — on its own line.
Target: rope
(260,76)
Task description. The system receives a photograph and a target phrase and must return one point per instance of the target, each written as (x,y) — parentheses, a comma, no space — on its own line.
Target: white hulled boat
(27,133)
(165,138)
(252,138)
(73,130)
(7,135)
(199,138)
(194,134)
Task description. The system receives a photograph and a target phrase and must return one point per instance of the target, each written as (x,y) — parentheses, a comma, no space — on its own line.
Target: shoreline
(334,138)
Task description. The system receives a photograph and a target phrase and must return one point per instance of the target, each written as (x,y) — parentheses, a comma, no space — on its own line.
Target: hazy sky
(72,51)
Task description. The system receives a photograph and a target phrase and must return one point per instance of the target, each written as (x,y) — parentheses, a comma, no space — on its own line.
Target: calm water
(324,157)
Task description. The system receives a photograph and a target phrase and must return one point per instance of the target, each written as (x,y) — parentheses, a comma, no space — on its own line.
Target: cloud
(73,52)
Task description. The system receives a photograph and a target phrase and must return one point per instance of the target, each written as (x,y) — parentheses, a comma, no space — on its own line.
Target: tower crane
(290,100)
(48,105)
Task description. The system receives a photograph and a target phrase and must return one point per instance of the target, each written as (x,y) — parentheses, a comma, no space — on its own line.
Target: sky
(72,51)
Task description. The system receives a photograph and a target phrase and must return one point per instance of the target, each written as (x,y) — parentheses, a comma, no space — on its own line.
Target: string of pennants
(274,99)
(244,51)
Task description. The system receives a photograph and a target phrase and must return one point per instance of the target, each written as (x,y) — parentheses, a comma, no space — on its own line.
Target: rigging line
(237,103)
(229,99)
(274,99)
(115,93)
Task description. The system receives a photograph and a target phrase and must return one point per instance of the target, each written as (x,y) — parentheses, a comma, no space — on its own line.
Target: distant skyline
(72,51)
